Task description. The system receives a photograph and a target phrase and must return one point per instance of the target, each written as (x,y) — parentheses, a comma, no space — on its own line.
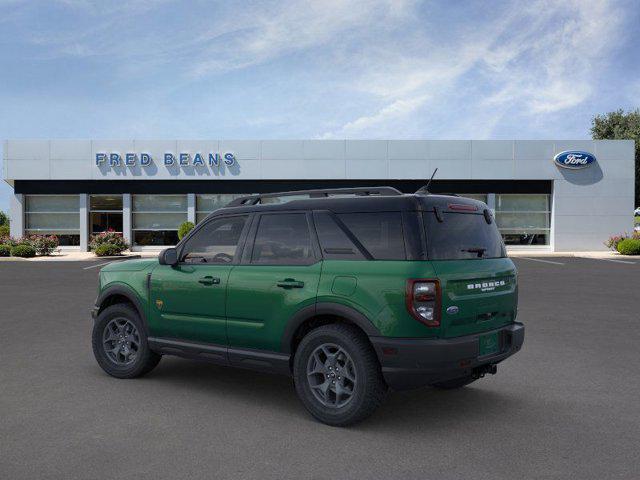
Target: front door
(278,276)
(188,300)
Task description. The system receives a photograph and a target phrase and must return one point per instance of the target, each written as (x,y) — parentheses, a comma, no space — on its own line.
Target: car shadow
(401,411)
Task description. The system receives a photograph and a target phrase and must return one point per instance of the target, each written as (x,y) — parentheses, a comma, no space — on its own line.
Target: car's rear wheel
(120,343)
(337,375)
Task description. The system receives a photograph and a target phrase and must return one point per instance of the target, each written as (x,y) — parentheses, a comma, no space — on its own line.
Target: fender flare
(326,308)
(130,294)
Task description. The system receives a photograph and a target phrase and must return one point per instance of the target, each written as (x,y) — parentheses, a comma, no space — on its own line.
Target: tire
(455,383)
(134,358)
(355,369)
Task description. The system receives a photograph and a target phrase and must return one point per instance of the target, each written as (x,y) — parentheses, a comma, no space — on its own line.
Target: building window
(156,219)
(524,219)
(54,215)
(106,213)
(205,204)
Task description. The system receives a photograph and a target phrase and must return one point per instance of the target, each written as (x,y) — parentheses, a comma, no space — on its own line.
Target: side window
(380,233)
(216,242)
(335,244)
(283,239)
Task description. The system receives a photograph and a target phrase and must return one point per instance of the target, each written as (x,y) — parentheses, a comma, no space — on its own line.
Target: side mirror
(168,256)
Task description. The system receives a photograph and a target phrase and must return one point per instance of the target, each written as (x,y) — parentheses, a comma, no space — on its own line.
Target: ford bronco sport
(349,291)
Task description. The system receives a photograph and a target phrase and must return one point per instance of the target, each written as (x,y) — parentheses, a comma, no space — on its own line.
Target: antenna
(425,190)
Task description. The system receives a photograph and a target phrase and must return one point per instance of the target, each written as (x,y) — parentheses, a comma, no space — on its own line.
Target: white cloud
(392,63)
(540,57)
(290,27)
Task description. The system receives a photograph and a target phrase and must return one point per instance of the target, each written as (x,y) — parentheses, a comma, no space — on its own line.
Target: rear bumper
(413,362)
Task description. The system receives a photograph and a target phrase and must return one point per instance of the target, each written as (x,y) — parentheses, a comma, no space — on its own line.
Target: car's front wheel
(120,343)
(337,375)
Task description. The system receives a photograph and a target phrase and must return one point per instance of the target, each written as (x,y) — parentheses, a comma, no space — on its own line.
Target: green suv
(349,291)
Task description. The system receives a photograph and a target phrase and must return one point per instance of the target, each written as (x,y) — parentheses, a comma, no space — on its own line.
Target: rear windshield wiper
(478,250)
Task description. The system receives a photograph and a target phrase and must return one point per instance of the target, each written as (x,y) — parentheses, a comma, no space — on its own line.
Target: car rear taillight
(423,300)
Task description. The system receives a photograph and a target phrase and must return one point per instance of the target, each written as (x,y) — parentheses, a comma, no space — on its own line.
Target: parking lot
(567,406)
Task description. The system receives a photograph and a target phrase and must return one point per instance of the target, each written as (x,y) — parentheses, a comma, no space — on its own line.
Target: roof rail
(320,193)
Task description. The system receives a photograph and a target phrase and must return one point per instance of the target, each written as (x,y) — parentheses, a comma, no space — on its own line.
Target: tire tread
(376,389)
(149,358)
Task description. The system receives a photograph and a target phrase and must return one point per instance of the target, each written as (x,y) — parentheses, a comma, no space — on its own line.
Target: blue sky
(317,69)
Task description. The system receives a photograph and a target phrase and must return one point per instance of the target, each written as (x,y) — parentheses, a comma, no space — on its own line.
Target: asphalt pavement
(566,406)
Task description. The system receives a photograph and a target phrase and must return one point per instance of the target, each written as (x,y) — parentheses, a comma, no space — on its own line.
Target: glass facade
(156,218)
(54,215)
(524,219)
(207,203)
(106,213)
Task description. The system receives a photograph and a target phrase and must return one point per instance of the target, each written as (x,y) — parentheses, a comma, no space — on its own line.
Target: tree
(620,125)
(4,219)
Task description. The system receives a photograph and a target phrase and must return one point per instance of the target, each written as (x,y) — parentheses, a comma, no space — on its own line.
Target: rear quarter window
(462,236)
(334,242)
(379,232)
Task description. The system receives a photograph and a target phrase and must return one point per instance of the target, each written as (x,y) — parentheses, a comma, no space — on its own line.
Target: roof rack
(320,193)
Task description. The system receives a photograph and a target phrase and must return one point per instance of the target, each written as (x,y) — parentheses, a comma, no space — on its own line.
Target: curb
(118,257)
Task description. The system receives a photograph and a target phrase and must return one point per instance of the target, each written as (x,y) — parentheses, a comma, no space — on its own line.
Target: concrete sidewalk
(73,255)
(593,254)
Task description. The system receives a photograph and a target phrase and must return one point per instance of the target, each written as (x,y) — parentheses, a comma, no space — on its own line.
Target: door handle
(209,280)
(290,283)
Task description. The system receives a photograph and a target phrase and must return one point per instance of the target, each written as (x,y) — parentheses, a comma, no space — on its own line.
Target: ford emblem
(574,159)
(452,310)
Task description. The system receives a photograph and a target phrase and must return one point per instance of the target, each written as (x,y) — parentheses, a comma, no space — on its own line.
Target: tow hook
(483,370)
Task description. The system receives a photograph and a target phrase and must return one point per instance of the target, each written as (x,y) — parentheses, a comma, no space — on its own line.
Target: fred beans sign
(169,159)
(574,159)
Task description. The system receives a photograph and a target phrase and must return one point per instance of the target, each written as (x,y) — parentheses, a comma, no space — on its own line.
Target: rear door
(478,281)
(278,276)
(188,299)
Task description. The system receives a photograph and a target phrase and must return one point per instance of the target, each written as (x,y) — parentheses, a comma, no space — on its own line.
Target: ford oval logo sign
(574,159)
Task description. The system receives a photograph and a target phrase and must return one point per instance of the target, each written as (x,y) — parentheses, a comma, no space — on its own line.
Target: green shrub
(613,241)
(5,250)
(629,246)
(12,242)
(4,219)
(43,244)
(108,238)
(4,230)
(23,250)
(185,228)
(108,250)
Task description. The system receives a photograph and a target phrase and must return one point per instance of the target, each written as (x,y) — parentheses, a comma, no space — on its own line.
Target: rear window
(462,236)
(380,233)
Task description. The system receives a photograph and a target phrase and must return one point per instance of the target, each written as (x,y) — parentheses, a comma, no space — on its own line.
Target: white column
(552,220)
(126,219)
(17,215)
(84,222)
(491,203)
(191,207)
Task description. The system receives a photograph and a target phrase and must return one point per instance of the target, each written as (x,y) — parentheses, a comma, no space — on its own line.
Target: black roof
(356,203)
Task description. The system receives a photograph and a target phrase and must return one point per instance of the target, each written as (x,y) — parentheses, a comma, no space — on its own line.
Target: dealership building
(546,195)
